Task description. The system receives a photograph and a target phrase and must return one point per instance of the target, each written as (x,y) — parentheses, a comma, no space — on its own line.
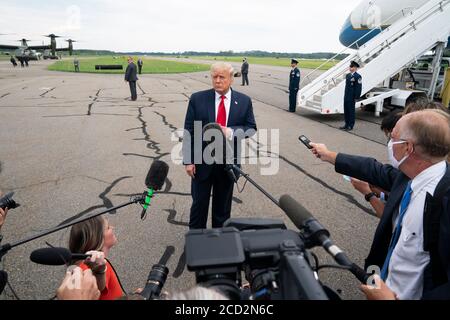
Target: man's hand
(96,262)
(378,292)
(227,132)
(361,186)
(78,285)
(321,152)
(3,214)
(191,170)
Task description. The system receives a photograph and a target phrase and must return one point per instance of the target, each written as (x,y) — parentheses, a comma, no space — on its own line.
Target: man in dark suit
(411,247)
(294,85)
(244,71)
(131,78)
(353,89)
(233,111)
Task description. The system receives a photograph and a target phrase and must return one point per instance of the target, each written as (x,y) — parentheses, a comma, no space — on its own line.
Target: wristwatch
(369,196)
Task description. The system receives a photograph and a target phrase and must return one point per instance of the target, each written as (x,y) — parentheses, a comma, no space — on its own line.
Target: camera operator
(412,242)
(78,285)
(96,237)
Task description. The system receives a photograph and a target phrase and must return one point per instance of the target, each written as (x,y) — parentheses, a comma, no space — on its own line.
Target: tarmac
(72,144)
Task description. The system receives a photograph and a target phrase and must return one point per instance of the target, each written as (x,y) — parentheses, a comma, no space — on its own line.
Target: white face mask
(394,162)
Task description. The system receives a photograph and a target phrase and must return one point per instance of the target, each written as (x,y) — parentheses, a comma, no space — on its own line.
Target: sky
(177,26)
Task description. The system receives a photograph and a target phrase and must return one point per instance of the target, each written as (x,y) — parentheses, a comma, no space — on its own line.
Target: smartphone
(303,139)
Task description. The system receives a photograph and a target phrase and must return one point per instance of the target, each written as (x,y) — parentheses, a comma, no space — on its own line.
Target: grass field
(279,62)
(151,66)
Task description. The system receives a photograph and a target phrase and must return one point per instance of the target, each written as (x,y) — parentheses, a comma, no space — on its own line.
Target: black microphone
(316,235)
(154,181)
(228,152)
(55,256)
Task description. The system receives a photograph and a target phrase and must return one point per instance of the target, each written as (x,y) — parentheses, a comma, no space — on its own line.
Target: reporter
(96,237)
(412,243)
(78,285)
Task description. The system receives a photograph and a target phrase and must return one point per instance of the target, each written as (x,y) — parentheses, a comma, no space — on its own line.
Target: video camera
(275,261)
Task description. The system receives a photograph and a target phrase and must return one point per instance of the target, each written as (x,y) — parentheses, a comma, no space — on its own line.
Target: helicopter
(23,51)
(31,52)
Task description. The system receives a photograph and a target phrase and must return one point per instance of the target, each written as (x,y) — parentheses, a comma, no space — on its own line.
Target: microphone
(55,256)
(228,156)
(316,235)
(154,181)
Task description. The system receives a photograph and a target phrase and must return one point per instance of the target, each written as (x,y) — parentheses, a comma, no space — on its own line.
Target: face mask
(394,162)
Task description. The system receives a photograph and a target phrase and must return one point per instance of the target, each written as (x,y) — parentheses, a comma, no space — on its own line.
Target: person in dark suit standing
(140,65)
(244,71)
(411,247)
(353,89)
(233,111)
(294,85)
(131,78)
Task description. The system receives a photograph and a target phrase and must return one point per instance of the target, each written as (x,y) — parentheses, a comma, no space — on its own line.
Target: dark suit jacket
(202,107)
(245,67)
(436,219)
(131,73)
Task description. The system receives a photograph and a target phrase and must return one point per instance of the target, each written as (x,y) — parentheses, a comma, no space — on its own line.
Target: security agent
(131,78)
(353,89)
(294,85)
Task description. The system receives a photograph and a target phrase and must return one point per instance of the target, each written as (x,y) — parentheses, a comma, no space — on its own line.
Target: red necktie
(222,114)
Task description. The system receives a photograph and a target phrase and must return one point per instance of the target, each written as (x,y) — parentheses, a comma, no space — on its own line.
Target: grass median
(151,66)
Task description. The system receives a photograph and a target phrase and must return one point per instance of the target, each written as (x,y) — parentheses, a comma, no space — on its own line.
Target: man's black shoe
(343,128)
(349,129)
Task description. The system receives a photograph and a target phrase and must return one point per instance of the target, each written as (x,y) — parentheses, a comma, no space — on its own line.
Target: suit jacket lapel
(211,103)
(233,110)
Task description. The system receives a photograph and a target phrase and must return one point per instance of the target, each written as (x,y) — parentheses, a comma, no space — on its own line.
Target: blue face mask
(394,162)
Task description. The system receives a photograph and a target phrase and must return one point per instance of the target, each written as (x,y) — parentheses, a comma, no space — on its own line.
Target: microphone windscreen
(157,175)
(295,211)
(51,256)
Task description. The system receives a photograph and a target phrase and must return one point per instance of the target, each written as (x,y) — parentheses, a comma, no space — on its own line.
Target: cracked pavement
(71,144)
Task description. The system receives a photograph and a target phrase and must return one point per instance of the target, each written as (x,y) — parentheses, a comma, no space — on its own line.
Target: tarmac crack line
(93,102)
(140,88)
(50,90)
(4,95)
(103,196)
(151,144)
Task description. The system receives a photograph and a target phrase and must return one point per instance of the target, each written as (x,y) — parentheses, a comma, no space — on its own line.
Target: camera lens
(157,278)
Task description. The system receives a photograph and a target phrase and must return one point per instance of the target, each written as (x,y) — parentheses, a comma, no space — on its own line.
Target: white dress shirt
(227,104)
(409,260)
